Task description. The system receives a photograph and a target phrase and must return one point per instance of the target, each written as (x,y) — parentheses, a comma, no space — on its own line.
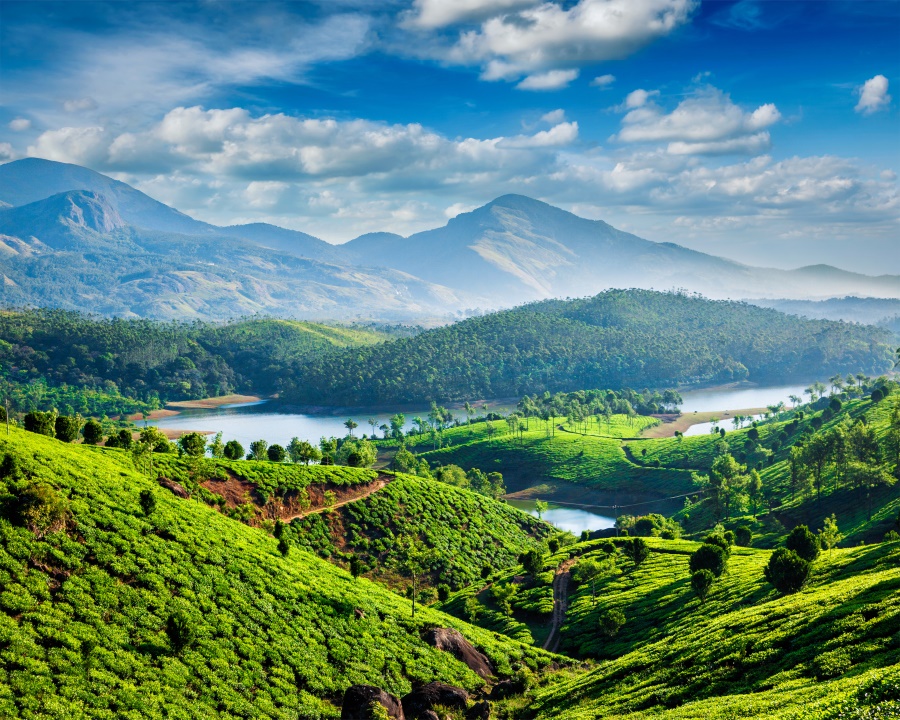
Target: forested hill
(619,338)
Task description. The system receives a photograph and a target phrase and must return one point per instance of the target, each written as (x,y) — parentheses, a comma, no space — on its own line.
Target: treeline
(94,366)
(620,338)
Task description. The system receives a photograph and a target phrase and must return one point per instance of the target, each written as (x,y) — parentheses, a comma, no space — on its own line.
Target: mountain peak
(88,209)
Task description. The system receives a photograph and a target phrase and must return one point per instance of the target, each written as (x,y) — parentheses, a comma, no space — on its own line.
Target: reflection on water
(738,398)
(573,520)
(727,423)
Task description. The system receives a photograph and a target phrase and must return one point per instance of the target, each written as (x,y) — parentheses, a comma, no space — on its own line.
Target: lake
(574,520)
(262,420)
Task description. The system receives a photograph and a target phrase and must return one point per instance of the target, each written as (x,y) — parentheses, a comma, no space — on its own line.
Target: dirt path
(370,488)
(560,603)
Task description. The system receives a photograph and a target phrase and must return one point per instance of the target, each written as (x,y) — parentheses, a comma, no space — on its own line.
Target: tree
(276,453)
(66,428)
(532,562)
(397,422)
(588,570)
(702,582)
(728,475)
(503,594)
(868,476)
(540,507)
(472,608)
(216,447)
(373,423)
(611,621)
(799,477)
(147,501)
(303,451)
(355,566)
(192,444)
(743,536)
(180,632)
(787,571)
(708,557)
(42,423)
(284,547)
(413,559)
(356,453)
(829,536)
(754,490)
(351,425)
(637,550)
(233,450)
(803,542)
(258,450)
(92,432)
(815,456)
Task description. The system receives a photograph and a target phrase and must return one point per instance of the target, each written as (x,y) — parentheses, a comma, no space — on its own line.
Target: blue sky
(761,131)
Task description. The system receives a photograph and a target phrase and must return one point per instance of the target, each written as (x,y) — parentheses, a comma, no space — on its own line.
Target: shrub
(180,632)
(66,428)
(611,621)
(234,450)
(41,509)
(803,542)
(743,536)
(708,557)
(193,444)
(787,571)
(147,501)
(42,423)
(553,544)
(92,432)
(637,550)
(701,582)
(891,536)
(443,592)
(532,562)
(877,395)
(355,566)
(276,453)
(719,541)
(284,546)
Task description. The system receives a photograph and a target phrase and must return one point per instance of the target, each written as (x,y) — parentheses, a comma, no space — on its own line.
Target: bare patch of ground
(682,421)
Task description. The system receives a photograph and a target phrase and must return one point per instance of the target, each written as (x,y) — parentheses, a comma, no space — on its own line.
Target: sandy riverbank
(670,423)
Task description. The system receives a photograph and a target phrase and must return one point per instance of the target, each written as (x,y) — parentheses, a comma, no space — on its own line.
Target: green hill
(633,338)
(108,612)
(98,366)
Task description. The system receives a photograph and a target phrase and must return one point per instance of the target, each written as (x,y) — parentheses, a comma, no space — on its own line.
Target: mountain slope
(516,248)
(620,338)
(86,599)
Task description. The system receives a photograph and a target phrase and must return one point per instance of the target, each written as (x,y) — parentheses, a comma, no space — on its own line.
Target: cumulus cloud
(707,123)
(79,105)
(554,116)
(551,80)
(603,81)
(19,124)
(873,96)
(554,36)
(439,13)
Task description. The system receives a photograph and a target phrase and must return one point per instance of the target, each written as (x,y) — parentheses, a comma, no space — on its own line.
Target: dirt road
(560,603)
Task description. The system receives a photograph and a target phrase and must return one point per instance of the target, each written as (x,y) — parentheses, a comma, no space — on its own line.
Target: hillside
(108,610)
(866,310)
(618,338)
(55,358)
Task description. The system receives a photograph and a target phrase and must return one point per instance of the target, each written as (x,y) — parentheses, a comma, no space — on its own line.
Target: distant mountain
(74,250)
(151,258)
(871,311)
(516,249)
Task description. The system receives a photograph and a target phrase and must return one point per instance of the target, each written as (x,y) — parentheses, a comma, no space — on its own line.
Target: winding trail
(560,603)
(370,488)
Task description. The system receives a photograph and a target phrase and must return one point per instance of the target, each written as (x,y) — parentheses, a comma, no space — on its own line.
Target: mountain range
(74,238)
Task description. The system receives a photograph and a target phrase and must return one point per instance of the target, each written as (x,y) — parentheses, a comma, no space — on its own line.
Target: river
(262,420)
(574,520)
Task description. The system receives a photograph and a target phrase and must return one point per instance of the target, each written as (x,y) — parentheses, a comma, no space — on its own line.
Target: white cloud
(873,96)
(19,124)
(439,13)
(557,136)
(554,116)
(603,81)
(551,36)
(708,122)
(264,194)
(457,209)
(551,80)
(79,105)
(639,98)
(6,151)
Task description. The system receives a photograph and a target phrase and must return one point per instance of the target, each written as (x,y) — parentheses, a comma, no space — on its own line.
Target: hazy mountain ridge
(136,256)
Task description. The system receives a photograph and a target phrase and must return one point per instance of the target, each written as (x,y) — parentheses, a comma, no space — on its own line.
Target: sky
(763,131)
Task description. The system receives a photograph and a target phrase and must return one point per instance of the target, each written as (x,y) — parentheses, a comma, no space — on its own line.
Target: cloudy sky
(762,131)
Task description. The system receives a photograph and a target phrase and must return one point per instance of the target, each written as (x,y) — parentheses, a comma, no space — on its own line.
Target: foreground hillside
(111,610)
(633,338)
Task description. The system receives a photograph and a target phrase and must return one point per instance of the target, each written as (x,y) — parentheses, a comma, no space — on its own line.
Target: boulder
(508,688)
(172,486)
(479,711)
(453,642)
(359,699)
(424,698)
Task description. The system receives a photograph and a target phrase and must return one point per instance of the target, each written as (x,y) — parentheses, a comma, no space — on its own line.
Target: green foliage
(708,557)
(702,582)
(66,428)
(619,338)
(147,500)
(43,423)
(787,571)
(743,536)
(610,622)
(180,631)
(637,550)
(93,432)
(276,453)
(803,542)
(258,450)
(192,444)
(532,562)
(41,509)
(233,450)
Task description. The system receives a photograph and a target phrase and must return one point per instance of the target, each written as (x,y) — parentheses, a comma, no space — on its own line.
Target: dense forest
(77,363)
(619,338)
